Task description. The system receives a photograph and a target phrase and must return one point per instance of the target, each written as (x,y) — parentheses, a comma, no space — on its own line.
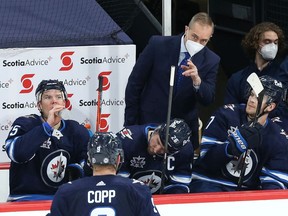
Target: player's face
(50,99)
(155,145)
(252,105)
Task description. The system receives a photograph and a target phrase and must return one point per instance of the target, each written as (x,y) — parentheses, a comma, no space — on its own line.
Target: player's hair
(45,85)
(250,42)
(179,134)
(105,148)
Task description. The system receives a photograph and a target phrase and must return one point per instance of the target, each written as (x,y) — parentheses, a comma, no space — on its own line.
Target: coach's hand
(244,138)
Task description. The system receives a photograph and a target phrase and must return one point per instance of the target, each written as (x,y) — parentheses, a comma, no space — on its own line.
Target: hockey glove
(74,171)
(244,138)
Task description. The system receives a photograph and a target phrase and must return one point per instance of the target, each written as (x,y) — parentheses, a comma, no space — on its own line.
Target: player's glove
(74,171)
(244,138)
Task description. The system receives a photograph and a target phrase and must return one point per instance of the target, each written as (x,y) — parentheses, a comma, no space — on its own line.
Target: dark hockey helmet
(273,88)
(45,85)
(179,135)
(105,148)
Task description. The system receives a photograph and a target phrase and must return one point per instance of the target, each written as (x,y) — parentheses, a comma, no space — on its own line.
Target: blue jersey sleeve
(25,138)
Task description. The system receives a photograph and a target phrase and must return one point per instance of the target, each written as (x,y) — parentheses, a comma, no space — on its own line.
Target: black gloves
(244,138)
(74,171)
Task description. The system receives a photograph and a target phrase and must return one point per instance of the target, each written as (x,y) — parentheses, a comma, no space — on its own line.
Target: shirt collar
(183,48)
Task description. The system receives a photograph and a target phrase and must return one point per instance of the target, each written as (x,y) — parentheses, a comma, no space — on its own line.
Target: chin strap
(260,114)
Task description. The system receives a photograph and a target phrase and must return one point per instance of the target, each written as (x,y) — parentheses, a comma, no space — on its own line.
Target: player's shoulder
(230,109)
(128,132)
(275,129)
(133,184)
(75,126)
(139,187)
(67,188)
(273,133)
(75,185)
(73,123)
(229,113)
(27,119)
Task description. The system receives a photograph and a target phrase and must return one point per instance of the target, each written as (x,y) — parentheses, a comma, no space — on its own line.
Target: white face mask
(193,47)
(269,51)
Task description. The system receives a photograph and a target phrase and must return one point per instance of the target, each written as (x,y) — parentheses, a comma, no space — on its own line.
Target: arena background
(232,18)
(70,40)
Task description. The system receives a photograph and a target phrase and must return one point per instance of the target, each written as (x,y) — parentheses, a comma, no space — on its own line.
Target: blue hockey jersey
(39,160)
(139,164)
(266,166)
(103,195)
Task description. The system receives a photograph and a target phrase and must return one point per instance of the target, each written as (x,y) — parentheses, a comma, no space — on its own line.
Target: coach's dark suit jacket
(147,90)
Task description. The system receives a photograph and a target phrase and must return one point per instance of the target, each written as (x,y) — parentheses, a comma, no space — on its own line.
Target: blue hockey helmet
(178,135)
(105,148)
(45,85)
(273,88)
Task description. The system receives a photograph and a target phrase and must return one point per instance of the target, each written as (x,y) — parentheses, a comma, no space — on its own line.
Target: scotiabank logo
(26,83)
(68,102)
(104,126)
(66,61)
(106,82)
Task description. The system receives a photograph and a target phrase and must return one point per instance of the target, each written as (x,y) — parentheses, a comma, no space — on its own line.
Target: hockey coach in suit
(147,90)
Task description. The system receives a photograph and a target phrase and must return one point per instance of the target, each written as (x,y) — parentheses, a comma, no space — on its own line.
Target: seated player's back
(104,195)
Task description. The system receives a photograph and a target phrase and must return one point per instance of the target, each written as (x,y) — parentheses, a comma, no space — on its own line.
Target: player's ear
(186,29)
(270,107)
(149,135)
(39,106)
